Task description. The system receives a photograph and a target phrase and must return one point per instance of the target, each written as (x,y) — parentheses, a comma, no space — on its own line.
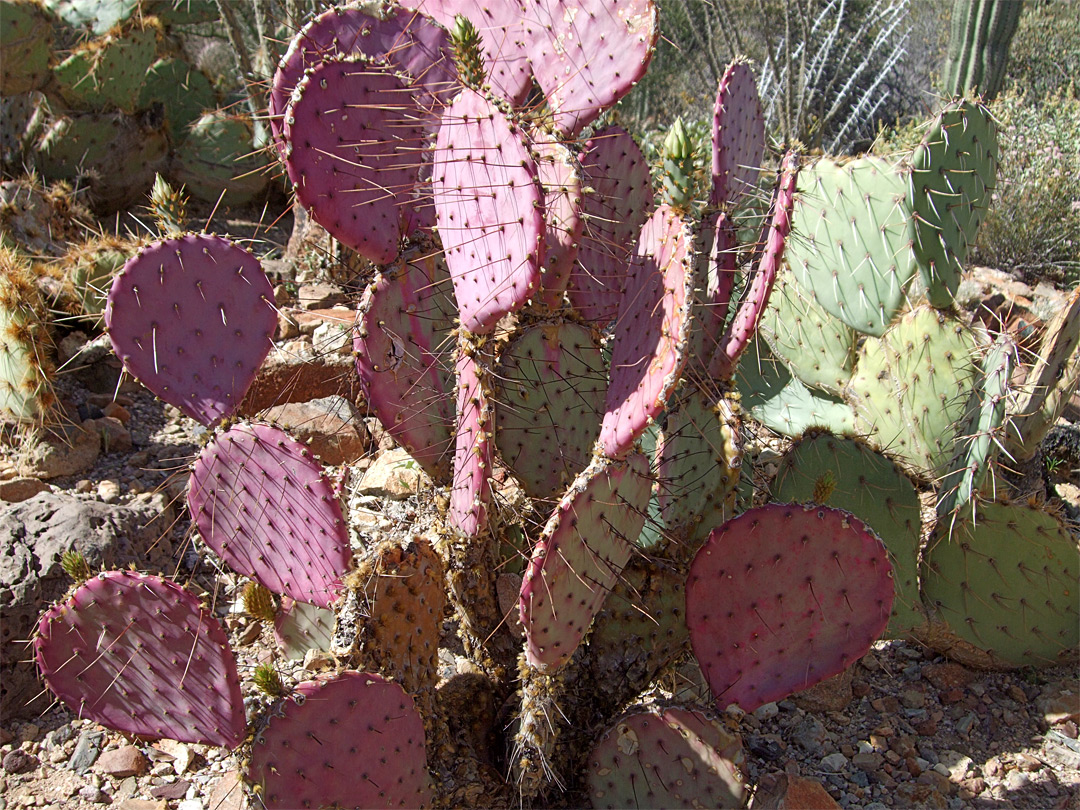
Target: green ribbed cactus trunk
(979,45)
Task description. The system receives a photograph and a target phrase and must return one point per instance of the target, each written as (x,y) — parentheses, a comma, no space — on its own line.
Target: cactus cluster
(539,322)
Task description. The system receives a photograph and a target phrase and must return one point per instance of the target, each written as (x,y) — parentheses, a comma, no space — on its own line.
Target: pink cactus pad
(404,355)
(354,152)
(744,325)
(410,43)
(490,211)
(715,264)
(471,488)
(354,740)
(652,331)
(738,140)
(499,25)
(615,209)
(192,319)
(782,597)
(264,506)
(583,550)
(587,54)
(136,653)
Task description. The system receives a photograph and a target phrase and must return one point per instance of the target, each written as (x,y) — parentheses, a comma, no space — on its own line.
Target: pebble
(109,491)
(767,711)
(122,762)
(834,763)
(86,751)
(19,761)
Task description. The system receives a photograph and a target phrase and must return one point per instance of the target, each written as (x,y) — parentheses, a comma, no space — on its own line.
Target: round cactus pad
(192,319)
(264,506)
(779,584)
(354,152)
(585,546)
(355,740)
(137,653)
(664,758)
(651,333)
(404,347)
(490,211)
(1006,583)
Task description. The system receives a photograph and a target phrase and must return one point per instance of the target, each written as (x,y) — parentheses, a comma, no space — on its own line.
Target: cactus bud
(168,206)
(259,602)
(268,681)
(465,40)
(824,487)
(76,566)
(678,163)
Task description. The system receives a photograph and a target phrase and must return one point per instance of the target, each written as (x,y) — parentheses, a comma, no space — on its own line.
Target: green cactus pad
(218,155)
(25,364)
(816,347)
(1005,583)
(550,398)
(852,251)
(182,89)
(300,627)
(109,72)
(845,473)
(95,16)
(910,387)
(26,44)
(667,757)
(980,433)
(781,402)
(949,191)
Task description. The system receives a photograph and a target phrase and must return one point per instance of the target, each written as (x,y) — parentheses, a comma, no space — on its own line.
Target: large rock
(331,427)
(295,372)
(33,536)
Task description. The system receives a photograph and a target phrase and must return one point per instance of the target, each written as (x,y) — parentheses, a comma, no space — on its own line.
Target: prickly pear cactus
(25,351)
(26,44)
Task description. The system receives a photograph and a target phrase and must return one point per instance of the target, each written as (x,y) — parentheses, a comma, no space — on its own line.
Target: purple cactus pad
(354,740)
(264,506)
(471,488)
(490,211)
(782,597)
(562,213)
(192,319)
(738,137)
(136,653)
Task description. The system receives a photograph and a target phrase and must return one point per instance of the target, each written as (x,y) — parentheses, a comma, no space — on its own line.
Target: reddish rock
(172,790)
(115,438)
(17,490)
(805,794)
(948,675)
(19,761)
(831,695)
(330,427)
(228,794)
(117,411)
(295,373)
(122,762)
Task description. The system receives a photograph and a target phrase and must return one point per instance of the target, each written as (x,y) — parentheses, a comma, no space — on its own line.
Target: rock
(331,427)
(790,792)
(94,794)
(122,762)
(834,763)
(69,450)
(1059,703)
(831,695)
(180,753)
(33,536)
(868,762)
(16,490)
(228,793)
(86,751)
(117,411)
(190,804)
(296,373)
(333,338)
(20,761)
(912,699)
(395,474)
(767,711)
(142,804)
(115,437)
(108,491)
(948,675)
(173,790)
(809,735)
(320,295)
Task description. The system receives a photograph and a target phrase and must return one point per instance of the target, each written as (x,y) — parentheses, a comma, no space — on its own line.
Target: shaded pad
(738,137)
(784,583)
(1006,583)
(585,545)
(665,757)
(354,151)
(137,654)
(548,404)
(490,211)
(853,251)
(264,506)
(192,319)
(404,348)
(355,740)
(563,213)
(652,331)
(616,208)
(588,54)
(408,42)
(716,249)
(470,491)
(846,474)
(299,627)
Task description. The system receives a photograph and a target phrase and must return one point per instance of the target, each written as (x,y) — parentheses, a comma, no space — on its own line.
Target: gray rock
(86,751)
(809,735)
(52,454)
(834,763)
(33,536)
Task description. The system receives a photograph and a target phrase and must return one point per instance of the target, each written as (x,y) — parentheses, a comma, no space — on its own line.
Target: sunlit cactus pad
(782,583)
(666,757)
(265,507)
(1006,583)
(354,740)
(138,654)
(192,319)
